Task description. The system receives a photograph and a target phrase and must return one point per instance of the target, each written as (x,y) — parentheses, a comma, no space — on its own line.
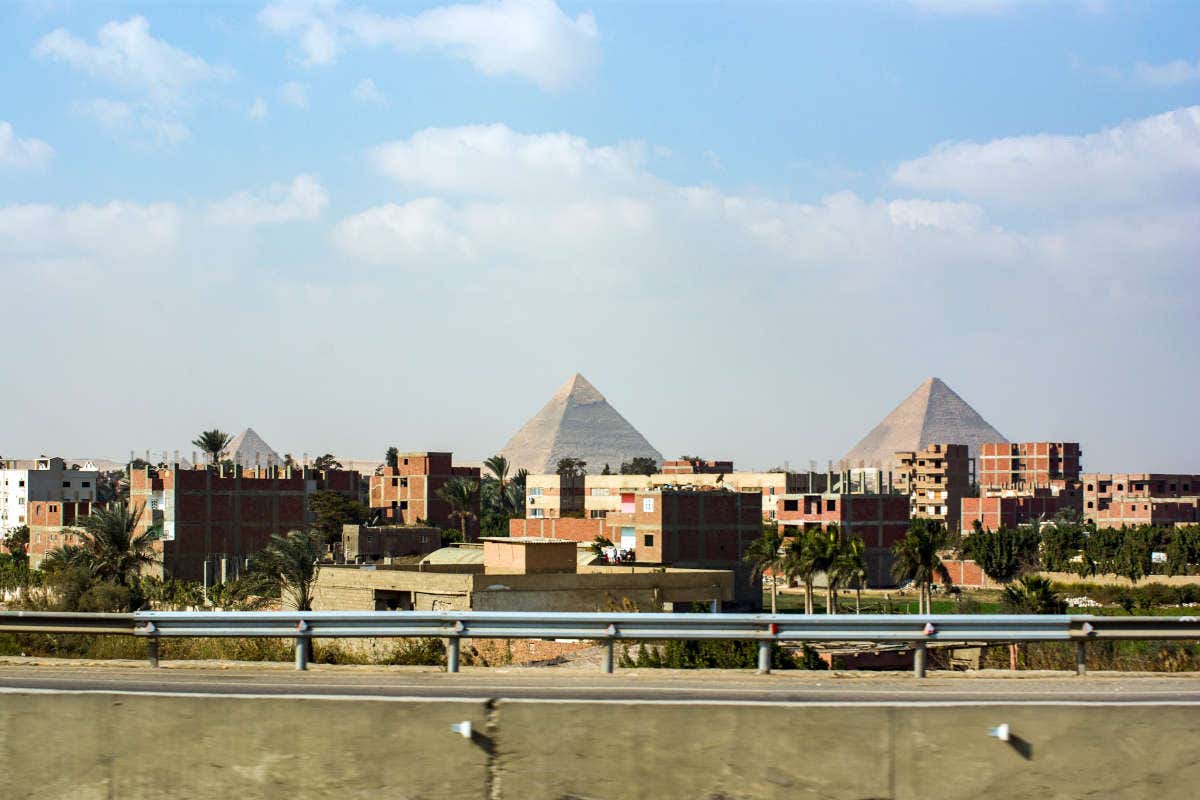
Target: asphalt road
(709,686)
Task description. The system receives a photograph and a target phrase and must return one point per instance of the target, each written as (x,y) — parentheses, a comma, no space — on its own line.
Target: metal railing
(303,626)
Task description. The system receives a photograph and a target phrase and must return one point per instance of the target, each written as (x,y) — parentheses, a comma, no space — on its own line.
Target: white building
(23,482)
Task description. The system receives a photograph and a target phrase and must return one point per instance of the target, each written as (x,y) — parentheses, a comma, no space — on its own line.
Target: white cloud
(22,153)
(531,39)
(1137,163)
(295,94)
(130,121)
(159,80)
(368,93)
(713,160)
(1171,74)
(304,199)
(258,109)
(62,242)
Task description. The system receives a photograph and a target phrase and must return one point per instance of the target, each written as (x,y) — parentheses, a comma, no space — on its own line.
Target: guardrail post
(919,653)
(152,644)
(452,654)
(302,639)
(764,657)
(1080,657)
(607,663)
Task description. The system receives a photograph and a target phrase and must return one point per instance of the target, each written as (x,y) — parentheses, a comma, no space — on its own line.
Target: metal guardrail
(453,626)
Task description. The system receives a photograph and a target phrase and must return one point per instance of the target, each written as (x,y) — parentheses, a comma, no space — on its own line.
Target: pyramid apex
(579,389)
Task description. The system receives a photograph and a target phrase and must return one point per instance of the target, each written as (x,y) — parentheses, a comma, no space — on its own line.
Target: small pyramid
(577,423)
(249,450)
(932,414)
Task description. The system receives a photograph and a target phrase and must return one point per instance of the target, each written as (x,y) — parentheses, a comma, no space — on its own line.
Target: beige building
(936,479)
(602,493)
(499,578)
(553,496)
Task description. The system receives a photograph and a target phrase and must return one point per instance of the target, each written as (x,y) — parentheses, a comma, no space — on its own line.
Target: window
(791,505)
(86,484)
(406,462)
(648,540)
(771,515)
(771,490)
(598,513)
(404,505)
(647,504)
(943,511)
(66,484)
(535,491)
(600,492)
(831,505)
(20,483)
(537,513)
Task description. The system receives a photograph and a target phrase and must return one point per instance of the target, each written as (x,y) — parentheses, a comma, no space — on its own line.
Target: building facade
(936,479)
(52,524)
(214,518)
(553,496)
(1027,465)
(42,479)
(880,520)
(1111,500)
(408,492)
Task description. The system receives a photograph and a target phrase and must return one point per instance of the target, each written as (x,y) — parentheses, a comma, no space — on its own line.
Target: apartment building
(214,518)
(52,524)
(1027,465)
(1011,510)
(42,479)
(936,479)
(696,466)
(554,496)
(408,492)
(880,520)
(1114,499)
(602,493)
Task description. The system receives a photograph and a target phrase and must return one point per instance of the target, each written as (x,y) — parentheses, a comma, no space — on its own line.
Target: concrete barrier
(102,745)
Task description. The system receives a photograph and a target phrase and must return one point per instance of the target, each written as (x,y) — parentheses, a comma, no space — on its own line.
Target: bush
(714,654)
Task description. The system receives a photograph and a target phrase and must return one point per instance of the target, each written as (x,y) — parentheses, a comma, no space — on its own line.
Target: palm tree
(392,457)
(1033,594)
(291,564)
(851,567)
(112,547)
(827,544)
(766,553)
(462,495)
(214,443)
(802,563)
(917,558)
(498,465)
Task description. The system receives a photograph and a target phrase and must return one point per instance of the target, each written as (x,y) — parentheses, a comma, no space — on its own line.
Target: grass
(982,602)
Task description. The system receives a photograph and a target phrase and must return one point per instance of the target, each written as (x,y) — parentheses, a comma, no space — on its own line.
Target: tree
(805,560)
(1004,554)
(214,443)
(17,544)
(332,510)
(766,553)
(327,461)
(607,470)
(498,466)
(571,467)
(639,465)
(109,550)
(1033,594)
(462,495)
(917,558)
(1062,539)
(392,457)
(850,566)
(289,462)
(288,567)
(600,543)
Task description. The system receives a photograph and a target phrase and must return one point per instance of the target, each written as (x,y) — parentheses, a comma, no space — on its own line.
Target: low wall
(98,745)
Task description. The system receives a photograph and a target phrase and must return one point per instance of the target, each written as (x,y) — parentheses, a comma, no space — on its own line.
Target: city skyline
(754,229)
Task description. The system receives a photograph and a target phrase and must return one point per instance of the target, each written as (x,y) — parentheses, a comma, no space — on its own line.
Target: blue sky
(755,227)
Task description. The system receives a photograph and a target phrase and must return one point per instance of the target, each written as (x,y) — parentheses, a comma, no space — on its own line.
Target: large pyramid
(249,450)
(577,423)
(931,414)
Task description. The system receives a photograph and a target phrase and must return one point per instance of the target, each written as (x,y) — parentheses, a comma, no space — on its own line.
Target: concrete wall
(136,746)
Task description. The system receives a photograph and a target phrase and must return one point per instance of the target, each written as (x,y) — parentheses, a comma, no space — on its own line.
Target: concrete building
(936,478)
(1027,465)
(553,496)
(214,518)
(1011,510)
(408,492)
(516,575)
(1114,499)
(52,524)
(696,466)
(880,520)
(369,544)
(602,493)
(42,479)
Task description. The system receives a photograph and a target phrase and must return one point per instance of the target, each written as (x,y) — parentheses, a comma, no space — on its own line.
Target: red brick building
(1026,465)
(936,478)
(575,529)
(696,466)
(50,523)
(1009,511)
(214,518)
(880,520)
(1114,499)
(408,492)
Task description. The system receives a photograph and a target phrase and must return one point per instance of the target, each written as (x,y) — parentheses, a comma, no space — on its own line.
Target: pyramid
(931,414)
(248,449)
(577,423)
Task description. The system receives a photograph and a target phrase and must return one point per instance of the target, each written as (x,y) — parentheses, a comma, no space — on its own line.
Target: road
(653,686)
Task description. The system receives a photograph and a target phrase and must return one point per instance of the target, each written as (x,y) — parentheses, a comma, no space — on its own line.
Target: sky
(755,227)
